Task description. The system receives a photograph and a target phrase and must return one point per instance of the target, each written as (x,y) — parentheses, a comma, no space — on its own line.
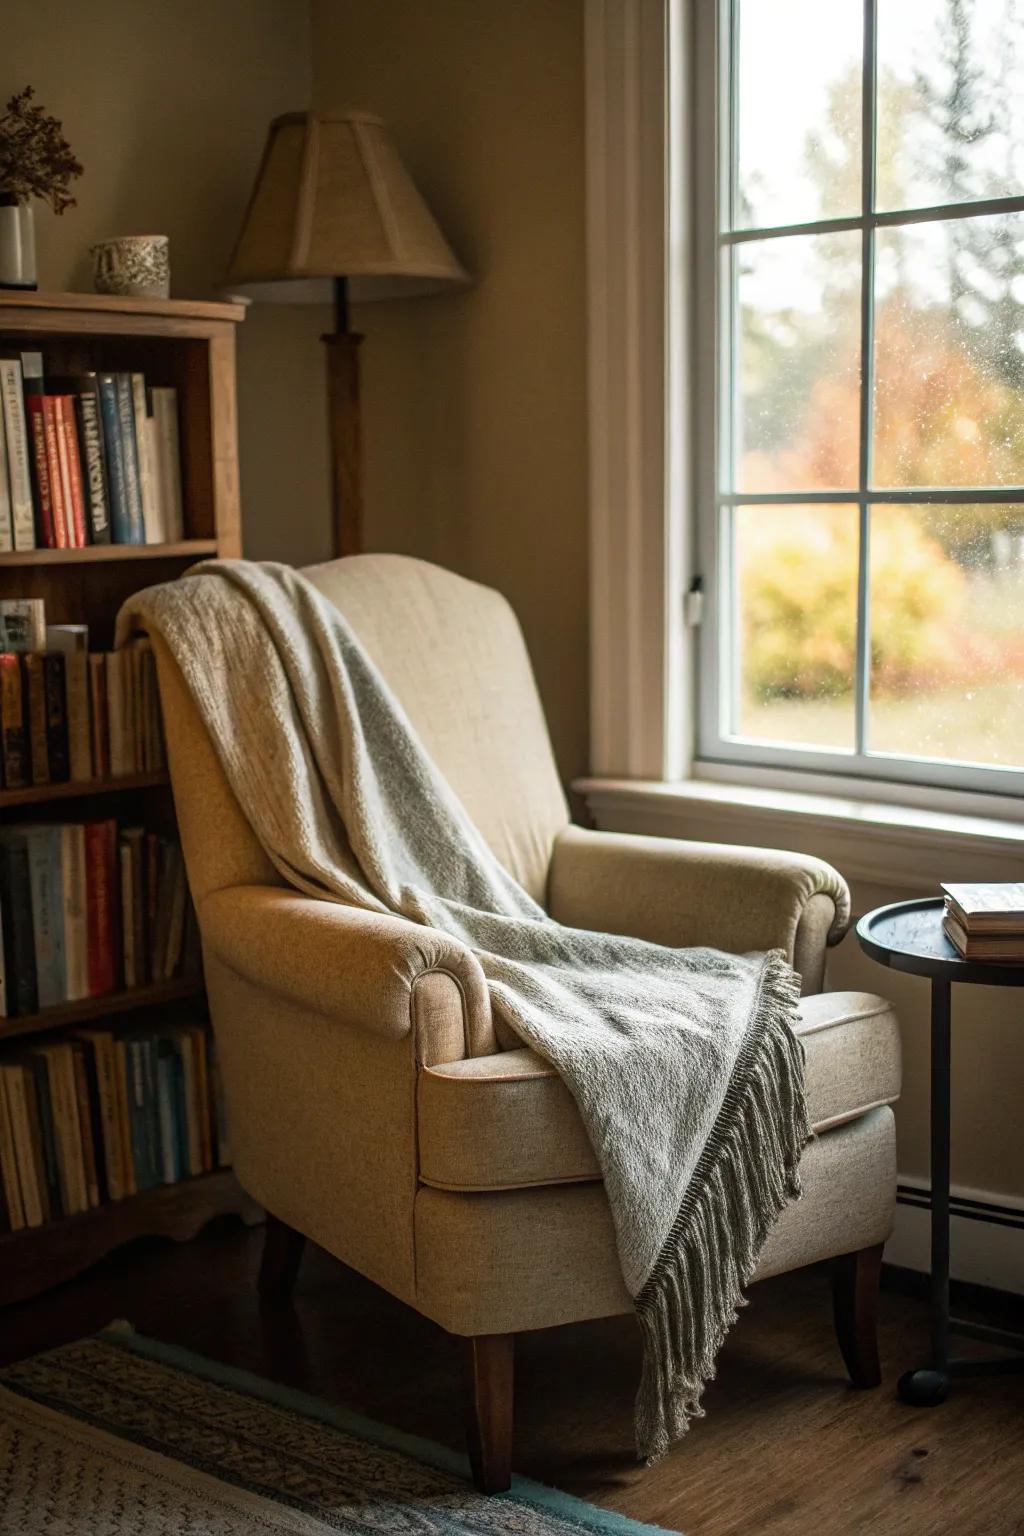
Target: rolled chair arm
(366,970)
(688,893)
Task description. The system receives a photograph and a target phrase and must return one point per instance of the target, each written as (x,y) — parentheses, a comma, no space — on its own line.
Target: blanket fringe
(747,1173)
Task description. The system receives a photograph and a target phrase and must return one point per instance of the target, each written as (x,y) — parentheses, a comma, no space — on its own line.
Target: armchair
(377,1107)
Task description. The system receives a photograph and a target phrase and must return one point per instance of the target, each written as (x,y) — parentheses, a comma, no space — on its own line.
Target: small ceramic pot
(137,265)
(17,243)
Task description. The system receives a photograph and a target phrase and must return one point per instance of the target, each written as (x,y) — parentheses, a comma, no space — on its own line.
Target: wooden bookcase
(190,346)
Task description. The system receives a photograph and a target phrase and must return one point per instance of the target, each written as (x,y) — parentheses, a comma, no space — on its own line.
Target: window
(864,513)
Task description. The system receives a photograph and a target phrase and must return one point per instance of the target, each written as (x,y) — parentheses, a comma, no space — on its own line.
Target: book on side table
(986,921)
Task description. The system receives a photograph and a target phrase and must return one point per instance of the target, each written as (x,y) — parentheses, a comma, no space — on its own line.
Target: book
(6,522)
(44,843)
(22,995)
(64,1100)
(101,918)
(72,640)
(35,714)
(124,1116)
(22,624)
(17,1086)
(67,423)
(149,468)
(9,1167)
(14,742)
(55,693)
(62,517)
(120,511)
(171,1164)
(75,913)
(46,536)
(1008,947)
(65,450)
(88,1120)
(168,445)
(51,1188)
(118,690)
(98,715)
(18,458)
(987,907)
(94,459)
(130,456)
(99,1046)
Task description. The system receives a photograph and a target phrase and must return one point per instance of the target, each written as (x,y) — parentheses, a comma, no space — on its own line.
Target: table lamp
(334,214)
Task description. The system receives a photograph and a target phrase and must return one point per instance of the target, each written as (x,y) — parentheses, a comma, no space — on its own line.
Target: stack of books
(88,908)
(68,715)
(986,922)
(96,1117)
(89,459)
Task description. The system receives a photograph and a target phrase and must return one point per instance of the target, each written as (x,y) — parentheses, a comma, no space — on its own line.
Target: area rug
(119,1434)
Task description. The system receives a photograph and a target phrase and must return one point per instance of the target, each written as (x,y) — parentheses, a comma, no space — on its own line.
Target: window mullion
(867,333)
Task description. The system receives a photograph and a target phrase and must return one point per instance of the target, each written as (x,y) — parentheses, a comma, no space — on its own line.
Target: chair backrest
(454,655)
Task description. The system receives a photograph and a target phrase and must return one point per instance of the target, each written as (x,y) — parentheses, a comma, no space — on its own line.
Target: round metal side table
(908,936)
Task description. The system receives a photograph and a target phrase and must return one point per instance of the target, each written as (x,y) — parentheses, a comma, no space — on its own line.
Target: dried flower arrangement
(36,159)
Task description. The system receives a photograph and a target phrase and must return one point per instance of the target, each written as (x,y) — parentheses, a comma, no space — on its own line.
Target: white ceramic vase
(17,243)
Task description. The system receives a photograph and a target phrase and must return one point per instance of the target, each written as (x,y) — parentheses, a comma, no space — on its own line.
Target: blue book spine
(180,1112)
(169,1156)
(120,517)
(44,869)
(130,459)
(144,1178)
(152,1107)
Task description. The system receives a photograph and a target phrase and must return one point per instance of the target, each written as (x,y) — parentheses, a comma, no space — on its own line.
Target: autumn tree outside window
(865,511)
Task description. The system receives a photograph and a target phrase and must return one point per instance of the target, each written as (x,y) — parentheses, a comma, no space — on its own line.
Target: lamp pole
(343,425)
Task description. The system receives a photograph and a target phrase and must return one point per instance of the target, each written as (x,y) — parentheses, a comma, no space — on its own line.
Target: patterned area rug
(119,1434)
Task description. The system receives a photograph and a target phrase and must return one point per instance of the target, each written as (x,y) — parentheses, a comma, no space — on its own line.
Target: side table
(908,936)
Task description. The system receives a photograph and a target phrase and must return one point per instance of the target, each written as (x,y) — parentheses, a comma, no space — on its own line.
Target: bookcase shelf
(188,346)
(36,1258)
(94,554)
(87,1009)
(80,789)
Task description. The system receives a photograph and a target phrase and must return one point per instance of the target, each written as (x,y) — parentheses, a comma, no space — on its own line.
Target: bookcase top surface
(93,304)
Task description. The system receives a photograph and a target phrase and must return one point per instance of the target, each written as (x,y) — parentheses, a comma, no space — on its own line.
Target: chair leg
(488,1374)
(855,1306)
(282,1255)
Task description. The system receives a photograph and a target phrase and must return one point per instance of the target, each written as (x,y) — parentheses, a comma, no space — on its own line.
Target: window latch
(693,606)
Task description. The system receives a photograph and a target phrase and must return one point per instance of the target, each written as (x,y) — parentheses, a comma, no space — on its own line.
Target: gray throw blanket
(686,1072)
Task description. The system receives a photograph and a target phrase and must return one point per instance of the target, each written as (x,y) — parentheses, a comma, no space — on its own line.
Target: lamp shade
(332,199)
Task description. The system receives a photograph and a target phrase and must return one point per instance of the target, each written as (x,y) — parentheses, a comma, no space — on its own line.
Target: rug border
(553,1500)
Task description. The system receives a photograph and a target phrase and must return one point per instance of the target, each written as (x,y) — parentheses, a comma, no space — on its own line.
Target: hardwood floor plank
(787,1448)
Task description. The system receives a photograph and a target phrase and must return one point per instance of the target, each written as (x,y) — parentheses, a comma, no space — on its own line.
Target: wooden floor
(787,1448)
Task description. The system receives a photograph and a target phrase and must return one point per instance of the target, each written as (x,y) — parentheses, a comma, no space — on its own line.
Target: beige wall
(474,404)
(166,104)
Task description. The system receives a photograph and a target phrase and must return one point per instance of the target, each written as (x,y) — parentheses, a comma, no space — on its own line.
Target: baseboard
(986,1235)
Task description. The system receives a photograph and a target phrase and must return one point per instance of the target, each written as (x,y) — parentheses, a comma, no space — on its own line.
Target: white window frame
(649,94)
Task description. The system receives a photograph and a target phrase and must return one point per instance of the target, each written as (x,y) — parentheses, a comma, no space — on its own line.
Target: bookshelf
(191,348)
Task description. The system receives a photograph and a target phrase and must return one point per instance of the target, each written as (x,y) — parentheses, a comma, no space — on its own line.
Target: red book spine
(99,877)
(37,426)
(66,407)
(60,521)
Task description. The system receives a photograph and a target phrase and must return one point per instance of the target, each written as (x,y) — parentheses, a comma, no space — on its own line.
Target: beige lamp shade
(333,199)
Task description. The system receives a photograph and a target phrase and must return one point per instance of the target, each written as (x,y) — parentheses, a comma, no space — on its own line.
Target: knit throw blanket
(682,1062)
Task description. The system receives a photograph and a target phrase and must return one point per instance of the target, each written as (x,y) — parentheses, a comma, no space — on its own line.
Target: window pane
(949,353)
(950,106)
(795,624)
(798,362)
(799,70)
(947,633)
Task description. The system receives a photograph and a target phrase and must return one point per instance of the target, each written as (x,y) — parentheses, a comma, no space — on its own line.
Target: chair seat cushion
(508,1122)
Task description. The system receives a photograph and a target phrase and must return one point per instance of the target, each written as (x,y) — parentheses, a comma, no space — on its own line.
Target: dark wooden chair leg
(855,1305)
(489,1376)
(282,1255)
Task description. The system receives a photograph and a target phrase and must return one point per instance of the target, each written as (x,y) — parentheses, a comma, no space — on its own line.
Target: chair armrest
(365,970)
(682,893)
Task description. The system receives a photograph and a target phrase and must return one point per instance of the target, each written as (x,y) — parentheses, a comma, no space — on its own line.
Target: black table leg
(927,1387)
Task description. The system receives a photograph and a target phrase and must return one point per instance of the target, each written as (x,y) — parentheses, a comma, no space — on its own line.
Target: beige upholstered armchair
(375,1107)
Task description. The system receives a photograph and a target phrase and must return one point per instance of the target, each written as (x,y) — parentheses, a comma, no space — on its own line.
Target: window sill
(904,847)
